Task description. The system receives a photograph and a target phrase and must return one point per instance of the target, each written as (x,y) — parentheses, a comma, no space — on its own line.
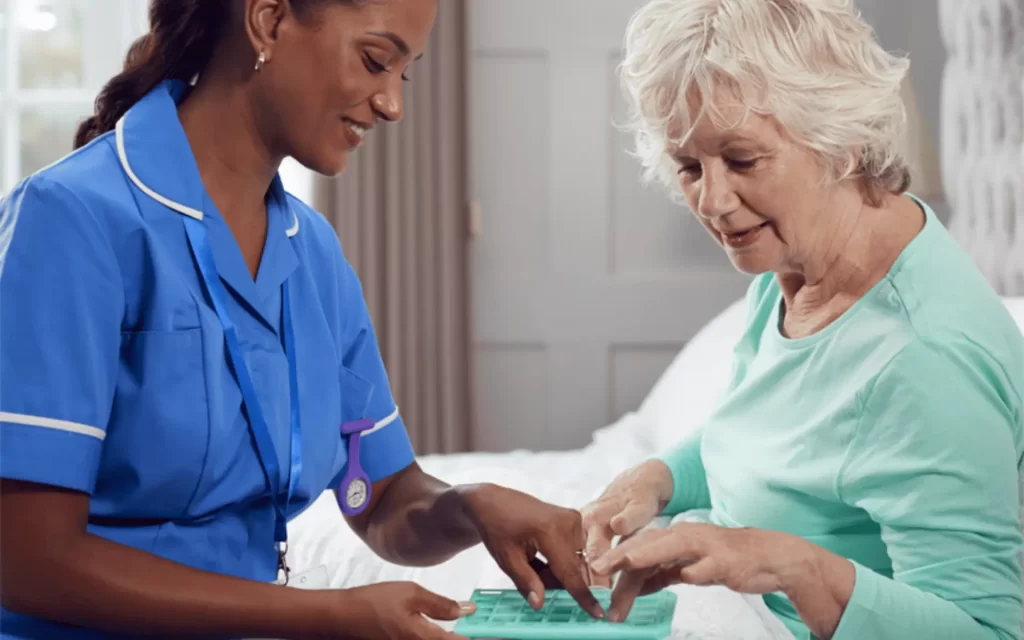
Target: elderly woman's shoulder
(961,309)
(936,296)
(963,346)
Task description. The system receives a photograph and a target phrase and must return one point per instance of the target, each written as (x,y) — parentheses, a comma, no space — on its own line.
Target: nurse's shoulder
(62,306)
(85,191)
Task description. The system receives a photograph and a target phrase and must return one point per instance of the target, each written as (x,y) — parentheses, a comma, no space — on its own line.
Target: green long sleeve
(690,484)
(934,464)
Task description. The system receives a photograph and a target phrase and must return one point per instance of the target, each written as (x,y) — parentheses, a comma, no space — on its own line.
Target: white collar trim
(122,155)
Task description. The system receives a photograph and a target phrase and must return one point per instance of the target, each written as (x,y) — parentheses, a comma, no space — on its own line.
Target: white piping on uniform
(50,423)
(167,202)
(380,424)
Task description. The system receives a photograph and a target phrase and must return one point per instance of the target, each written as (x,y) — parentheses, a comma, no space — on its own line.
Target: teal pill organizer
(504,614)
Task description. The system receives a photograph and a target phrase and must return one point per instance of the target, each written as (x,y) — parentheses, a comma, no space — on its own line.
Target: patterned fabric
(983,134)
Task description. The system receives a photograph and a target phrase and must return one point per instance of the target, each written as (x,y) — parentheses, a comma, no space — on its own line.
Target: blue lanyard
(200,243)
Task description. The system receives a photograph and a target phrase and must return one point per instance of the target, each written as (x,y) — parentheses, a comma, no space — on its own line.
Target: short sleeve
(61,304)
(386,449)
(935,463)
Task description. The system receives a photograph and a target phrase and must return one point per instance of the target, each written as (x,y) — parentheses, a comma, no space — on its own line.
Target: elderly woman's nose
(717,197)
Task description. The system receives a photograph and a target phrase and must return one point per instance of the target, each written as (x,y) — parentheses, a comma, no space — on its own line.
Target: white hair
(813,65)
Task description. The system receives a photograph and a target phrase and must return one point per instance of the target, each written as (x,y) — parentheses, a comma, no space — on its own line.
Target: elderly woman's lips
(741,239)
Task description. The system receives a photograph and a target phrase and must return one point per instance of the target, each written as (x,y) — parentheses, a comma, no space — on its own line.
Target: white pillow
(1016,307)
(686,393)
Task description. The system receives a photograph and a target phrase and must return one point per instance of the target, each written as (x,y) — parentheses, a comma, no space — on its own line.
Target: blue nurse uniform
(115,375)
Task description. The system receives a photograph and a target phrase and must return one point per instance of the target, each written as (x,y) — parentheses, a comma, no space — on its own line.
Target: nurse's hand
(629,503)
(392,611)
(515,528)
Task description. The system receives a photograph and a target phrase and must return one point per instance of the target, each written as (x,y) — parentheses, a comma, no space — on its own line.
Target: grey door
(585,283)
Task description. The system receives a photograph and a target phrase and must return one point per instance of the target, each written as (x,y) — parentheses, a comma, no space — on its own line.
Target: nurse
(186,360)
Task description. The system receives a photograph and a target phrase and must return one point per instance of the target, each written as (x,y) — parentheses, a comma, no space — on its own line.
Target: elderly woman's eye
(742,165)
(689,168)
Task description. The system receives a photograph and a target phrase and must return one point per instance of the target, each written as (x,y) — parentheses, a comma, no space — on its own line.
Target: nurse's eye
(374,66)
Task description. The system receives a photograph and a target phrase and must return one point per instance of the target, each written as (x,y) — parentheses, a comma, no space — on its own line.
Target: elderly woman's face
(755,190)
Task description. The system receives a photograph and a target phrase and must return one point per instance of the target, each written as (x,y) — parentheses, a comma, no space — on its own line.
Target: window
(55,55)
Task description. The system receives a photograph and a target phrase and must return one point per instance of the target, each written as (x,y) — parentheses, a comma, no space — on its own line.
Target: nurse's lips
(355,131)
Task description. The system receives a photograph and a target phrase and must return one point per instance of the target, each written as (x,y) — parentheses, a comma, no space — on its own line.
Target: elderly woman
(861,470)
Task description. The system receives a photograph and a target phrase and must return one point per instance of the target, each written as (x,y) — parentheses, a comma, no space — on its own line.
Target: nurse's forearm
(419,521)
(52,569)
(101,585)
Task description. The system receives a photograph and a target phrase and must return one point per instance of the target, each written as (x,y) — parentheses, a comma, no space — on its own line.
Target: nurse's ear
(262,21)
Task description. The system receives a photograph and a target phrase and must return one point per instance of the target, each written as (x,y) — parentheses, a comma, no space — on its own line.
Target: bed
(677,404)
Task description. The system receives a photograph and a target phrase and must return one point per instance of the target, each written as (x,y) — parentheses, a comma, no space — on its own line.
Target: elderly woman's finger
(635,516)
(627,589)
(617,559)
(599,542)
(599,534)
(648,550)
(704,572)
(662,579)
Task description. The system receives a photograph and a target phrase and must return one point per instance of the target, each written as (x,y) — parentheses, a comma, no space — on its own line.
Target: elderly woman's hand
(515,527)
(743,560)
(629,503)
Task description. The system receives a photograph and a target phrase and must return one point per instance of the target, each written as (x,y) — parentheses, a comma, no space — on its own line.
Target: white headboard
(983,134)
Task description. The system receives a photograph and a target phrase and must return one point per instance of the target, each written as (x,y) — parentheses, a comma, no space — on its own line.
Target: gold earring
(260,61)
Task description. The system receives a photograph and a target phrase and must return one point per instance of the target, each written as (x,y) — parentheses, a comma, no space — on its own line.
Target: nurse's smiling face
(333,71)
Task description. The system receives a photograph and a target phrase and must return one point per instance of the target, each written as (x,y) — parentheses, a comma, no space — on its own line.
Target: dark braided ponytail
(179,45)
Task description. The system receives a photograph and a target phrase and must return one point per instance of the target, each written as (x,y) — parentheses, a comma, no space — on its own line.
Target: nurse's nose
(388,106)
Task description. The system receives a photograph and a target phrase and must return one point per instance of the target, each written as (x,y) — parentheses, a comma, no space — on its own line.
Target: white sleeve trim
(50,423)
(380,424)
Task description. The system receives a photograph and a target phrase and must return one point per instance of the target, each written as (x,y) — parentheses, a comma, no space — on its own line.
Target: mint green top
(893,437)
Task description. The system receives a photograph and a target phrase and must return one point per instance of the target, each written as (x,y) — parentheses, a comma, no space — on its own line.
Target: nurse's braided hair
(181,40)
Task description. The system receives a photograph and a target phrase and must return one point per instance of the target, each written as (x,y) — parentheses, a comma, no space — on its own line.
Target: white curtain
(983,134)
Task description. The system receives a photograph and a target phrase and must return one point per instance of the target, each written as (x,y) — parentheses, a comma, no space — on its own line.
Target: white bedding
(679,402)
(320,536)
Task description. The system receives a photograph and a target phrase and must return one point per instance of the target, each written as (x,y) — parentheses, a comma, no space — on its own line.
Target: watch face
(355,495)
